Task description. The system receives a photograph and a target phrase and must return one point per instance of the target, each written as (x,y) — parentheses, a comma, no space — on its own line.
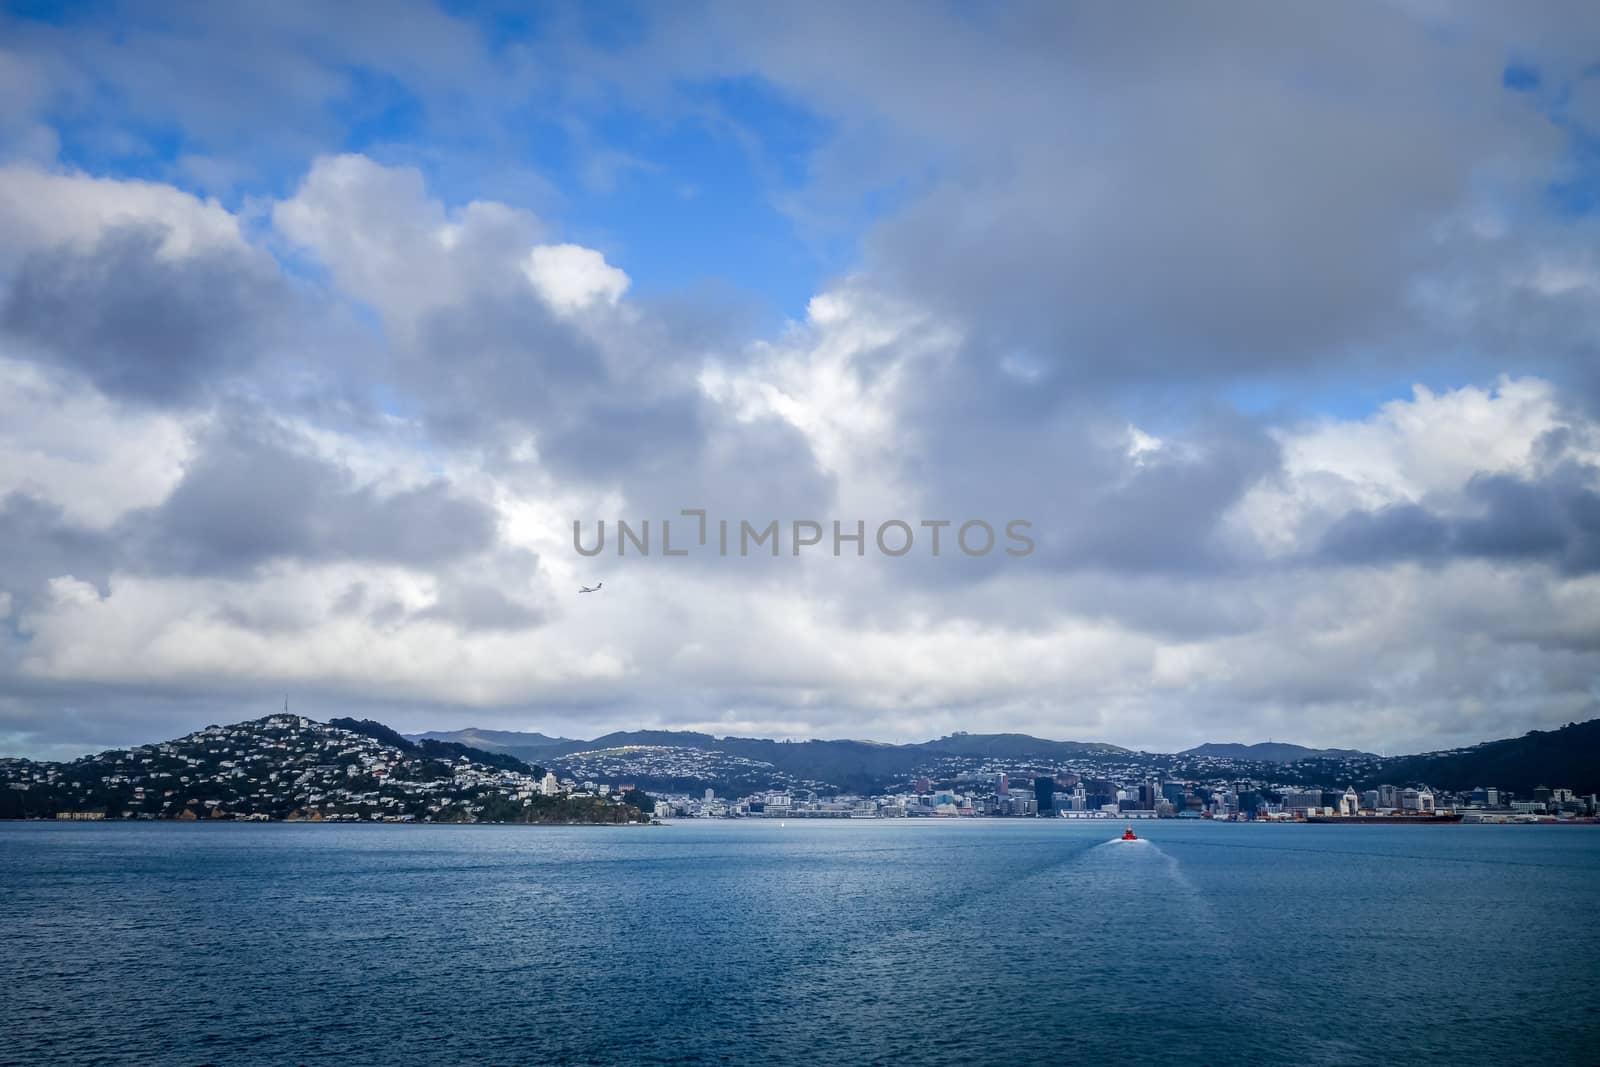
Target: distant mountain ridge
(435,747)
(846,764)
(1569,758)
(1273,752)
(274,766)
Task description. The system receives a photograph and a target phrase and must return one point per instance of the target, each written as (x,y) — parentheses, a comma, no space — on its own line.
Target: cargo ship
(1388,820)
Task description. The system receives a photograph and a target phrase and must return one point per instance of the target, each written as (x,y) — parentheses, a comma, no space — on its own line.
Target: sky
(322,325)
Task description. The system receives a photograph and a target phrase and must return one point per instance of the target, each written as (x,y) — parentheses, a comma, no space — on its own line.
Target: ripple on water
(817,943)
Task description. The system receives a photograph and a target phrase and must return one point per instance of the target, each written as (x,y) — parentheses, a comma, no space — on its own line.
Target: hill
(293,768)
(513,742)
(1568,757)
(435,748)
(687,761)
(1272,752)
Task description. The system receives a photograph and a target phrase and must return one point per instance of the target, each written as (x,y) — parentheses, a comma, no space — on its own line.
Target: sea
(906,942)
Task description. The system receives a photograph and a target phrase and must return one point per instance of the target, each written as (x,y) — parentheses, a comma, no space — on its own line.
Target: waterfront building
(1349,804)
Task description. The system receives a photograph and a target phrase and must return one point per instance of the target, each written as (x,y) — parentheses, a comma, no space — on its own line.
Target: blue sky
(693,193)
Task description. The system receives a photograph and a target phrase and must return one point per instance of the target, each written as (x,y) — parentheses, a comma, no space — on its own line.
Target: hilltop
(1273,752)
(293,768)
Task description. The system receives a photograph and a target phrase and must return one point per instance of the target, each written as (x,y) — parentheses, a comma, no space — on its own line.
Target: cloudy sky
(321,324)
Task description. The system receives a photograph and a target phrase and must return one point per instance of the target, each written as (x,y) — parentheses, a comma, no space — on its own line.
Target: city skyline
(285,767)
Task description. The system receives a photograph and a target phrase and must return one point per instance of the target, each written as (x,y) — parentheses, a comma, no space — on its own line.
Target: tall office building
(1043,790)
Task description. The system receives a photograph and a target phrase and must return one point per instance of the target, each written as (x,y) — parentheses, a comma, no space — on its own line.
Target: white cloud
(79,451)
(1427,447)
(39,209)
(840,379)
(391,246)
(571,278)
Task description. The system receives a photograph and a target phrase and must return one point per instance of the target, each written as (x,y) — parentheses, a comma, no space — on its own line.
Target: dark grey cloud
(501,355)
(990,445)
(39,542)
(611,400)
(144,326)
(1555,520)
(254,496)
(477,606)
(1165,512)
(1169,195)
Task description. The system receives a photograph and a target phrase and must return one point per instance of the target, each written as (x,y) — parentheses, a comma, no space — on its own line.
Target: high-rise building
(1001,786)
(1301,799)
(1416,800)
(1097,801)
(1043,789)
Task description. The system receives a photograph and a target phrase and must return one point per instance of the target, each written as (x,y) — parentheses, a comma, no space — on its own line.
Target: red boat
(1128,835)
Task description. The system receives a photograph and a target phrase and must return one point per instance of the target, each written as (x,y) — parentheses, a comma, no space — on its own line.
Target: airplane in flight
(592,589)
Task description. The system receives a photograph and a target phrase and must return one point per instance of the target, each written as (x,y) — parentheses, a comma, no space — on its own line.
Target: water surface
(1028,941)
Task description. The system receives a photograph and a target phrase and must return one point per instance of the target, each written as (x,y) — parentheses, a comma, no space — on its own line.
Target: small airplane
(592,588)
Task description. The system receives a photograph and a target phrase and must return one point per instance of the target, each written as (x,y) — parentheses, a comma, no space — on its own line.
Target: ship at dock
(1420,819)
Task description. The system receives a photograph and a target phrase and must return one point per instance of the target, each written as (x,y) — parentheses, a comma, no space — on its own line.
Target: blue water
(926,942)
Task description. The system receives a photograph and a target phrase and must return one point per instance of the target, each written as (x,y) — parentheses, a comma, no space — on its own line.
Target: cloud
(43,210)
(254,496)
(328,433)
(570,277)
(391,246)
(71,446)
(1157,199)
(143,324)
(1557,521)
